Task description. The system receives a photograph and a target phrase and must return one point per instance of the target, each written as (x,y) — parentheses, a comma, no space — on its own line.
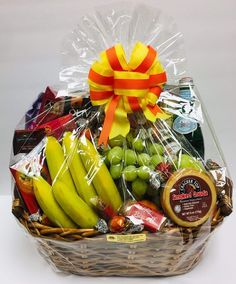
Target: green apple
(188,162)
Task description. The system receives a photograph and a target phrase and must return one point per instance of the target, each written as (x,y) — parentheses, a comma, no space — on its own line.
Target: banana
(99,174)
(84,187)
(74,206)
(47,202)
(56,163)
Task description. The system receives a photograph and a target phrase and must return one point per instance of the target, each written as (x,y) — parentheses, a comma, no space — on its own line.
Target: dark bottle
(189,128)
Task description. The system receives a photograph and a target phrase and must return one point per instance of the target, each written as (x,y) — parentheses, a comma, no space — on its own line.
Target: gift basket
(116,171)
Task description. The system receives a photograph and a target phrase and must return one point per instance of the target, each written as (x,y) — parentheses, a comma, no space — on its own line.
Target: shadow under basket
(86,252)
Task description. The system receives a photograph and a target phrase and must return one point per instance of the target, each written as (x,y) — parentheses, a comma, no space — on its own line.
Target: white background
(30,36)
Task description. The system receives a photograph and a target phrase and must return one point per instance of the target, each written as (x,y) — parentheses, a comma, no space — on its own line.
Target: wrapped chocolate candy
(224,187)
(117,224)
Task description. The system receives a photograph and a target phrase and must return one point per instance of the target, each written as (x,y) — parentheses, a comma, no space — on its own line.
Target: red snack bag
(25,189)
(143,215)
(23,172)
(58,126)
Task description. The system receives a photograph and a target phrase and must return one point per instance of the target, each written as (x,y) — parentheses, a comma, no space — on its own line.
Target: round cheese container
(189,197)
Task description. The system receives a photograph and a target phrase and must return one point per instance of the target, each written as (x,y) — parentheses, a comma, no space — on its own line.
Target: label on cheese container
(189,197)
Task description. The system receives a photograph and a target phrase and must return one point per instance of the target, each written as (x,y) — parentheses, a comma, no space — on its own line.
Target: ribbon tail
(109,117)
(121,124)
(154,112)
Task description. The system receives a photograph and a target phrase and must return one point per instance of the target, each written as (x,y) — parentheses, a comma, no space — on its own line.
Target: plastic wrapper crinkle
(116,171)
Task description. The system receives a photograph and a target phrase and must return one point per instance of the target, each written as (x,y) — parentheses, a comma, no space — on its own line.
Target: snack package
(123,153)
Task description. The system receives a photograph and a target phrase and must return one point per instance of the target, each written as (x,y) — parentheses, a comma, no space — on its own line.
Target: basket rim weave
(36,229)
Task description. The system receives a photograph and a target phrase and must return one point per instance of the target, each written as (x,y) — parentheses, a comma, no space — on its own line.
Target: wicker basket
(86,252)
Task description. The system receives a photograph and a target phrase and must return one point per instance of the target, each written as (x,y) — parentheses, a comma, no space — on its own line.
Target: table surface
(31,32)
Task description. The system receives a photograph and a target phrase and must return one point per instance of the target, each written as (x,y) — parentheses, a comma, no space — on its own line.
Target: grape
(115,155)
(106,160)
(156,148)
(129,138)
(151,167)
(116,171)
(130,173)
(139,187)
(143,159)
(138,145)
(117,141)
(130,157)
(144,172)
(156,160)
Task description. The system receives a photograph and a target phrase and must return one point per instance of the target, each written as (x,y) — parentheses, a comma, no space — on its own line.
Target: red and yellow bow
(126,87)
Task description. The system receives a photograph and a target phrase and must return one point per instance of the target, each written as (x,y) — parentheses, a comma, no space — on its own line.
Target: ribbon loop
(126,87)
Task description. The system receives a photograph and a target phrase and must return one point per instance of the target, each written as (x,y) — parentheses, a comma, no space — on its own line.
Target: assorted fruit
(118,188)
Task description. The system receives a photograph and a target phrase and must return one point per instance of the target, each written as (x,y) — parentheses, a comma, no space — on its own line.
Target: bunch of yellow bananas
(79,175)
